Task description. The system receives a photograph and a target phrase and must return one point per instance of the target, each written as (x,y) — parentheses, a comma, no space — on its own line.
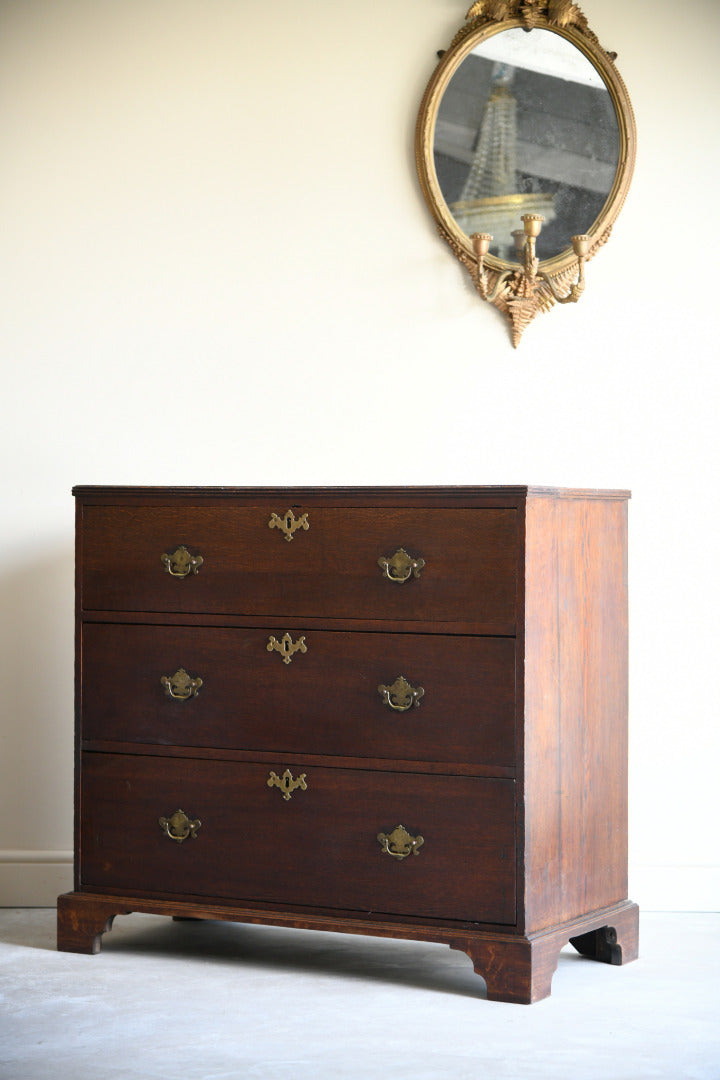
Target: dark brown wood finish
(325,701)
(320,845)
(515,969)
(512,769)
(302,761)
(330,571)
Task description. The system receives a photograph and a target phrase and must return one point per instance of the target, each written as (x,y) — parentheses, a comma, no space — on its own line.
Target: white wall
(216,267)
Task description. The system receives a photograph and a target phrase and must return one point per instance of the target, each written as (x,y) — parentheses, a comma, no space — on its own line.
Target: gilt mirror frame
(520,295)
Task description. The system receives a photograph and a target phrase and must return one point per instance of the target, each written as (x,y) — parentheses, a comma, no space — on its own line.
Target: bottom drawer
(321,845)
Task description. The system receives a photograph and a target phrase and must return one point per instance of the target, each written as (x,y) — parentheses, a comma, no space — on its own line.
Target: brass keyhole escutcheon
(400,567)
(288,523)
(181,563)
(181,686)
(286,783)
(399,843)
(179,826)
(401,696)
(286,646)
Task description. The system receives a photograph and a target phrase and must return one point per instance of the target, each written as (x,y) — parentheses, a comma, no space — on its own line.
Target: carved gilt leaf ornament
(525,148)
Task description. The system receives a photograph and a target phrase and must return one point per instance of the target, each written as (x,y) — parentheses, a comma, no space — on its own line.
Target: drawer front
(343,695)
(330,570)
(318,847)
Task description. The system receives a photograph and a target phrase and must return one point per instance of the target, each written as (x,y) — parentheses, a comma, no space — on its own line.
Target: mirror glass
(526,125)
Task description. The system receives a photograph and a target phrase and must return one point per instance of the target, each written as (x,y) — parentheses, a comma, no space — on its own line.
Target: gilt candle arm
(581,245)
(481,245)
(532,224)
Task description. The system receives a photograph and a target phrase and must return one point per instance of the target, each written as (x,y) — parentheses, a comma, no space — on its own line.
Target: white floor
(220,1001)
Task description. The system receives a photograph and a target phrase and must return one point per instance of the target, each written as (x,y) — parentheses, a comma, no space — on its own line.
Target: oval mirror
(525,137)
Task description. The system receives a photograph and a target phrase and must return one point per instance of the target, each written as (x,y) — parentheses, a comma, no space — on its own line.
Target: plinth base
(516,968)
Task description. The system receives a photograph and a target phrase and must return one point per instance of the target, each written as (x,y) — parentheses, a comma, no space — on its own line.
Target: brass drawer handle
(399,843)
(286,783)
(401,696)
(400,566)
(179,826)
(286,647)
(181,563)
(181,686)
(288,523)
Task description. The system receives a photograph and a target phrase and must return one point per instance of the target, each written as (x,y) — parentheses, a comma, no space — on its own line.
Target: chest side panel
(575,688)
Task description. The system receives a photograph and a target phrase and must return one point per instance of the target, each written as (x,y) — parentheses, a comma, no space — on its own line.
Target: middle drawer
(416,697)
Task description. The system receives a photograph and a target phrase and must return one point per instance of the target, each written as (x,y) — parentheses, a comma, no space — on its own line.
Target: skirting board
(36,879)
(675,888)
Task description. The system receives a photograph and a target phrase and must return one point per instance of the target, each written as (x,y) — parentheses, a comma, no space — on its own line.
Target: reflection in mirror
(526,125)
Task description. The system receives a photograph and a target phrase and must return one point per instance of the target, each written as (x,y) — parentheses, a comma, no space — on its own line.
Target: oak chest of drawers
(399,712)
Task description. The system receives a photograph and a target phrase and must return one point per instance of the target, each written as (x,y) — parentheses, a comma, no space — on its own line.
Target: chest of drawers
(397,712)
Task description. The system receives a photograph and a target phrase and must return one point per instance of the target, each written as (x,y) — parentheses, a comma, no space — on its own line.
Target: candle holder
(522,292)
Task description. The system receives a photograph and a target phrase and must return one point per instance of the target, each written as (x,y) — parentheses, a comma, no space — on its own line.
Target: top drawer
(465,563)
